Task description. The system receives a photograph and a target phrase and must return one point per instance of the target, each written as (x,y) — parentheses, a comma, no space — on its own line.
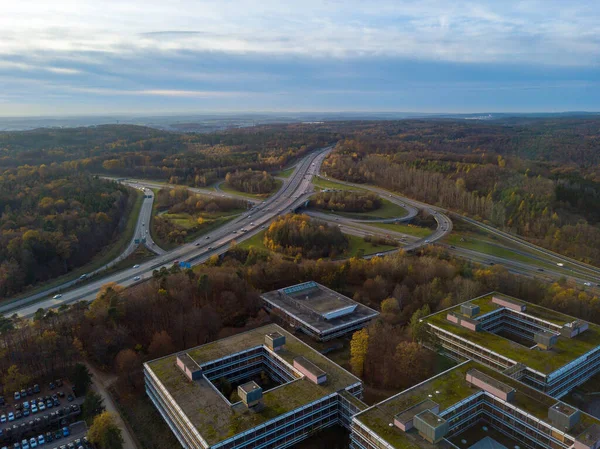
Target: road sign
(185,265)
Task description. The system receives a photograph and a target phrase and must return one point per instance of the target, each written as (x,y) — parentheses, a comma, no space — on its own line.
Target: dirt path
(101,383)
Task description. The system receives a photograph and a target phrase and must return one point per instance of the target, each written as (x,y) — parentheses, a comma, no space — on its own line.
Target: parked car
(34,408)
(32,442)
(16,396)
(11,416)
(36,388)
(41,440)
(66,431)
(3,418)
(58,382)
(52,386)
(49,437)
(24,444)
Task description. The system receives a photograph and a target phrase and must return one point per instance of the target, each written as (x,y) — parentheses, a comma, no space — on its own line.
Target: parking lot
(42,416)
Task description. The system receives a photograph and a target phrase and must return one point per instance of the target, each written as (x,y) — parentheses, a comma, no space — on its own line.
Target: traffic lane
(87,293)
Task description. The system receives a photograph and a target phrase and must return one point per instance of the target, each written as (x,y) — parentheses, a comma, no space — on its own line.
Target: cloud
(556,33)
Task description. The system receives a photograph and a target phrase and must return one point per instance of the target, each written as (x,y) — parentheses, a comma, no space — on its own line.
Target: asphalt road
(293,193)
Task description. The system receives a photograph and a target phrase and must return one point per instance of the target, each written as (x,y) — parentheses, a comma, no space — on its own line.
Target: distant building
(318,311)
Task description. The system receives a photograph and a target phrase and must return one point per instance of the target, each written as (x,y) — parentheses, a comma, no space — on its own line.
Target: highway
(293,193)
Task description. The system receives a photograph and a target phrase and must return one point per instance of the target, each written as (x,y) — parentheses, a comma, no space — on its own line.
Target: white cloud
(556,33)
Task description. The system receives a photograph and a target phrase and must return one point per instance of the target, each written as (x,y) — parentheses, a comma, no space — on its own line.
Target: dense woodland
(346,201)
(298,235)
(136,151)
(538,180)
(53,220)
(251,181)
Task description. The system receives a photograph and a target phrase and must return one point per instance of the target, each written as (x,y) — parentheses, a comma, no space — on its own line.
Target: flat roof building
(318,311)
(548,350)
(243,393)
(450,411)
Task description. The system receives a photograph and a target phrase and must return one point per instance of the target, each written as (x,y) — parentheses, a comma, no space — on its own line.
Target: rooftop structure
(447,406)
(548,350)
(244,387)
(318,311)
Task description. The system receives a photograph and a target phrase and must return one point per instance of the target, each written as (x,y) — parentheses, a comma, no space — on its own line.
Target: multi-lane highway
(293,193)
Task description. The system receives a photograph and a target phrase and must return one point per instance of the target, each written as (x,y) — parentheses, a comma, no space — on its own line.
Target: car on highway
(427,241)
(197,244)
(57,296)
(136,266)
(207,237)
(587,284)
(137,278)
(83,276)
(560,264)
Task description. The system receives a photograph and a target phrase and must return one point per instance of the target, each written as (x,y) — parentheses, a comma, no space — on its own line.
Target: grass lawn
(286,173)
(256,241)
(209,225)
(358,245)
(415,231)
(326,184)
(228,189)
(494,247)
(111,252)
(387,210)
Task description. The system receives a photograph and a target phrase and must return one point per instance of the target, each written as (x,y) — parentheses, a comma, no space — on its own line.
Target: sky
(158,57)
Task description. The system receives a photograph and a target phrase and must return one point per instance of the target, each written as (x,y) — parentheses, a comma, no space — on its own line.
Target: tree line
(346,201)
(251,181)
(53,221)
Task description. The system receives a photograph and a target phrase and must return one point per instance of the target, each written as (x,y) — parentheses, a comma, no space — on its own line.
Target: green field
(358,245)
(286,173)
(415,231)
(326,184)
(387,210)
(110,252)
(228,189)
(256,241)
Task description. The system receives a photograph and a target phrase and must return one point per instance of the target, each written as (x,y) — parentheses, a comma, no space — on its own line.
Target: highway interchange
(294,192)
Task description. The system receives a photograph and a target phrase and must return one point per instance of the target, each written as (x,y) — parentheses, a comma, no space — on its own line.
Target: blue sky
(153,57)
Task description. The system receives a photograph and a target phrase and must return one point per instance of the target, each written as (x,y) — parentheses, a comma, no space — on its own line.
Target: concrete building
(262,388)
(547,350)
(473,406)
(317,310)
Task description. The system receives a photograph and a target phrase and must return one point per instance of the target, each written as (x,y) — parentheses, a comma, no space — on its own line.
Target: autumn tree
(105,433)
(359,346)
(14,380)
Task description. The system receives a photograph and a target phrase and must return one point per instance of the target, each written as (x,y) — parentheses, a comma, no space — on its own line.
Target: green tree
(14,380)
(93,405)
(82,378)
(418,328)
(105,433)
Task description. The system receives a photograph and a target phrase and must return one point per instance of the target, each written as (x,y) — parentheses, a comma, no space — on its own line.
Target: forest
(299,236)
(191,159)
(52,221)
(548,197)
(251,181)
(346,201)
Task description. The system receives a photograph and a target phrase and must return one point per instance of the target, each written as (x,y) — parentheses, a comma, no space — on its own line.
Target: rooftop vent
(430,426)
(404,419)
(563,416)
(490,384)
(250,394)
(465,322)
(545,339)
(189,366)
(274,341)
(469,309)
(512,304)
(574,328)
(310,370)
